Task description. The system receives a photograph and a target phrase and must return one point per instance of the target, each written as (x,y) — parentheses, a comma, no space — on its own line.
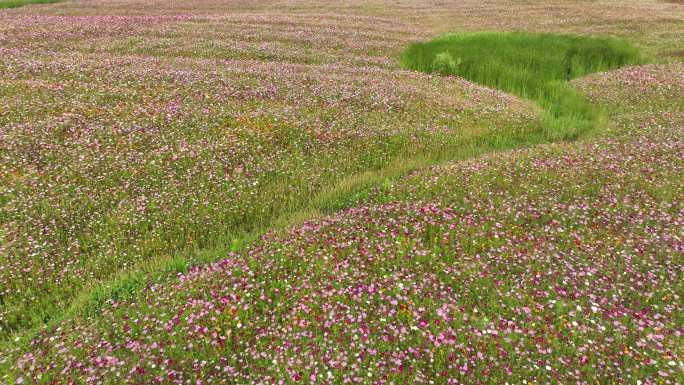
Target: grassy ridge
(18,3)
(534,66)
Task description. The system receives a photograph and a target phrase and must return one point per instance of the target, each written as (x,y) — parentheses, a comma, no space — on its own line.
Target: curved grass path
(533,66)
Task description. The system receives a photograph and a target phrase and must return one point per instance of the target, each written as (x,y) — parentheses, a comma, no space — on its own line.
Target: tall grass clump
(530,65)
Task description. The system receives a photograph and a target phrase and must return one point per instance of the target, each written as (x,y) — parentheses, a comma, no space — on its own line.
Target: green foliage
(533,66)
(19,3)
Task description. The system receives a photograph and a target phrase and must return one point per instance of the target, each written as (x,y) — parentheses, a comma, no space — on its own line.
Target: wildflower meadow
(361,192)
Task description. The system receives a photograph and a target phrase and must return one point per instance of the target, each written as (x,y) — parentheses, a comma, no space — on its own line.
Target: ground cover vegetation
(146,149)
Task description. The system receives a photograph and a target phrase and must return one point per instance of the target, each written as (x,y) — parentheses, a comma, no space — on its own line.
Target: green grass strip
(18,3)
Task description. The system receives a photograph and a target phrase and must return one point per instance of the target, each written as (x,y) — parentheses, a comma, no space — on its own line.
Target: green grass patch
(533,66)
(19,3)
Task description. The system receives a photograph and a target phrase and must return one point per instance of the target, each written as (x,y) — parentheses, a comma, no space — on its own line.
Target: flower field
(238,192)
